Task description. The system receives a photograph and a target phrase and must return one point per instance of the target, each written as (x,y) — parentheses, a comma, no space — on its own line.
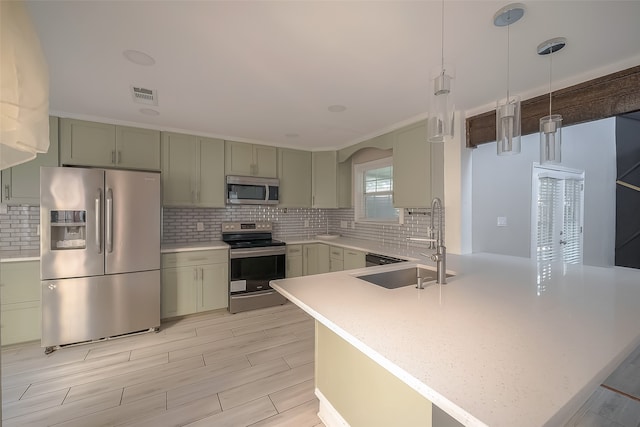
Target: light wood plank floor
(216,369)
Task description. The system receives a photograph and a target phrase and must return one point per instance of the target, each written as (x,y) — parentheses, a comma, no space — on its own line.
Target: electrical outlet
(3,208)
(199,226)
(343,224)
(502,221)
(306,223)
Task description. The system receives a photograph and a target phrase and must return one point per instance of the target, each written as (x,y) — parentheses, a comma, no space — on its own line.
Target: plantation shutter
(559,219)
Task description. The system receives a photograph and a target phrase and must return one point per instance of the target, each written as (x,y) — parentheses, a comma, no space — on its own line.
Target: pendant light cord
(442,38)
(508,62)
(550,71)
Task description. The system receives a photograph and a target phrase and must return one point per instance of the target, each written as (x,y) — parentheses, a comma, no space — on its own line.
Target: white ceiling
(259,70)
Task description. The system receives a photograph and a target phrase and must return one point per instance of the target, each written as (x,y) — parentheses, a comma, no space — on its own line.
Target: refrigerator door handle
(109,220)
(98,225)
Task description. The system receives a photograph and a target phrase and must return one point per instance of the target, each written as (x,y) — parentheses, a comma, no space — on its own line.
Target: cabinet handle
(113,156)
(6,192)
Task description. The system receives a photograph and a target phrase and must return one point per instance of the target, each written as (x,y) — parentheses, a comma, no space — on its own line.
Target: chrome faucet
(440,257)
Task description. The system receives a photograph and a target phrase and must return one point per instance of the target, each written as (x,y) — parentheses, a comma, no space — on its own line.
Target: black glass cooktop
(262,243)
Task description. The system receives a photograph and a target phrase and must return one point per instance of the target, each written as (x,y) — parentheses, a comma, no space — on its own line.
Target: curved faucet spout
(440,257)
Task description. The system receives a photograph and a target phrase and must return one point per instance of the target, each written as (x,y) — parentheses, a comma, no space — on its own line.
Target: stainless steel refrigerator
(100,253)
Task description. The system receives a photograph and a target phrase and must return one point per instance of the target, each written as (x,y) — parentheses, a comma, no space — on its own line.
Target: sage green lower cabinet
(294,173)
(192,171)
(294,261)
(354,259)
(194,281)
(315,259)
(20,313)
(360,390)
(336,262)
(21,184)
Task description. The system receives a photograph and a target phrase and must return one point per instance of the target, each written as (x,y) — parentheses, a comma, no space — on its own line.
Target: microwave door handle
(109,220)
(266,193)
(98,208)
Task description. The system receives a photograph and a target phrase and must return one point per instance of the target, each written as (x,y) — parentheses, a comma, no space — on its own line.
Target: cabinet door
(265,161)
(20,322)
(294,266)
(20,282)
(210,181)
(345,184)
(238,158)
(310,259)
(214,287)
(335,265)
(412,168)
(353,259)
(294,172)
(137,148)
(87,143)
(323,258)
(324,179)
(179,293)
(179,154)
(21,184)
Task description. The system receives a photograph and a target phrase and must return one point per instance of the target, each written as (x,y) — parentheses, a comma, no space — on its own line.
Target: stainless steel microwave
(248,190)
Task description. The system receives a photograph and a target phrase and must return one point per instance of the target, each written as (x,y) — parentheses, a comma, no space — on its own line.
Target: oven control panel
(246,227)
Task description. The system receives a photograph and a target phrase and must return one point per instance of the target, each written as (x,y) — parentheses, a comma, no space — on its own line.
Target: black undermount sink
(398,278)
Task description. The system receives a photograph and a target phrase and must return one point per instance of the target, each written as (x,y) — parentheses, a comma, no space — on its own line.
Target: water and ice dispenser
(68,230)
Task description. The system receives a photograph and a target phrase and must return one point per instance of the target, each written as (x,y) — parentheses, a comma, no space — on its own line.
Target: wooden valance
(607,96)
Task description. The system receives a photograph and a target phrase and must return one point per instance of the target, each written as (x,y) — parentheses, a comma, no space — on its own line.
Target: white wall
(502,187)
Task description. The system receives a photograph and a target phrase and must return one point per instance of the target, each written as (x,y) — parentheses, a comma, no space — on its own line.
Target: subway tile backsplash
(19,226)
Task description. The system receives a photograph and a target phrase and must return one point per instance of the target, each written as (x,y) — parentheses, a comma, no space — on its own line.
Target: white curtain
(24,89)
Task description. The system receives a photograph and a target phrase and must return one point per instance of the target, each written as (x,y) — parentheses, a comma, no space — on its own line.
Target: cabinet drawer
(294,250)
(336,253)
(20,322)
(185,259)
(20,282)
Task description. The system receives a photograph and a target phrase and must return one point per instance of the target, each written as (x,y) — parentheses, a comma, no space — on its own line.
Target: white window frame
(359,170)
(565,253)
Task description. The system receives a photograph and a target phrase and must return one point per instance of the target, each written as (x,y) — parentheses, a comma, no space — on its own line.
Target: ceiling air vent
(144,96)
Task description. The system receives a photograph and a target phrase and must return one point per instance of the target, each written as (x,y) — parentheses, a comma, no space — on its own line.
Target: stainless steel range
(255,259)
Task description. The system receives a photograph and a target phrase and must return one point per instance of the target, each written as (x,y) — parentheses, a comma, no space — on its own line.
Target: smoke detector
(144,96)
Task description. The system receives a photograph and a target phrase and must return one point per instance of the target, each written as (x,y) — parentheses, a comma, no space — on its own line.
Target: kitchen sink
(398,278)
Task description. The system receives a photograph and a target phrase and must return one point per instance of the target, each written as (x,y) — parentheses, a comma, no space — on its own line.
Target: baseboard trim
(328,414)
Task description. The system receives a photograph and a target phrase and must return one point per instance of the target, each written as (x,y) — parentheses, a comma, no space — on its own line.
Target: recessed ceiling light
(138,57)
(149,112)
(337,108)
(291,135)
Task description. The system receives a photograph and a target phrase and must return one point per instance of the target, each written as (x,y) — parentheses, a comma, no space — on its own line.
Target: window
(557,213)
(374,192)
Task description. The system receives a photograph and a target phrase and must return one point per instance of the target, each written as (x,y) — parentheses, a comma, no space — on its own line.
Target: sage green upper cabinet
(412,167)
(99,144)
(294,172)
(345,184)
(192,171)
(246,159)
(325,184)
(137,148)
(21,184)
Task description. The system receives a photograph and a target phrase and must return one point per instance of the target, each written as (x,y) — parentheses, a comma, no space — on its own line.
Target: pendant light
(508,129)
(551,125)
(440,121)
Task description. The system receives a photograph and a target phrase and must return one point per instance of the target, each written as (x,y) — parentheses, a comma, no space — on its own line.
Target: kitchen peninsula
(506,342)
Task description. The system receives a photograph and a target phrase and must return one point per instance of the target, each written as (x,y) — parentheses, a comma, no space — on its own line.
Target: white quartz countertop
(504,343)
(188,247)
(17,256)
(410,253)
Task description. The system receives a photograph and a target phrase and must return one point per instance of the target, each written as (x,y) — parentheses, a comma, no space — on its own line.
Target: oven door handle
(249,253)
(253,295)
